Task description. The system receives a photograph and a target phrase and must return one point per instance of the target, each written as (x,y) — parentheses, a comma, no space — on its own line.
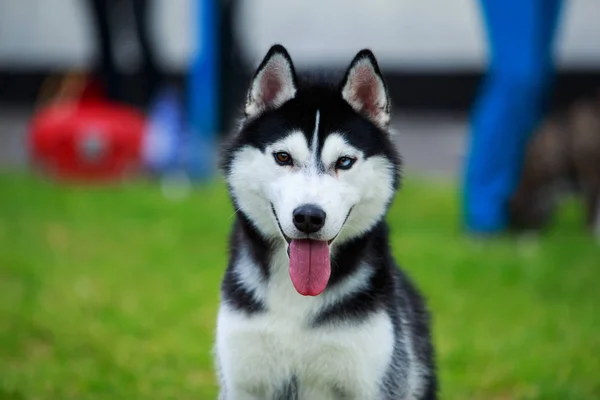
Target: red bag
(86,137)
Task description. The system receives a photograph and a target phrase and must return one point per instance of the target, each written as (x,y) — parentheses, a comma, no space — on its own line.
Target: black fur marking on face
(298,114)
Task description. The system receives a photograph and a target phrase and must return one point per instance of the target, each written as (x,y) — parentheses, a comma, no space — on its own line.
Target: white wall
(423,34)
(57,33)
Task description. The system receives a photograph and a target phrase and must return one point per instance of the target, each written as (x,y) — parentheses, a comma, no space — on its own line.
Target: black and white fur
(367,336)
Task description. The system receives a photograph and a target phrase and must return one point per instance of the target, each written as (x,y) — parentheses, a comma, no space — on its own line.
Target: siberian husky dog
(313,305)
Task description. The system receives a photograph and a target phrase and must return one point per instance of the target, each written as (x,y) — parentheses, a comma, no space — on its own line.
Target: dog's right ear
(273,84)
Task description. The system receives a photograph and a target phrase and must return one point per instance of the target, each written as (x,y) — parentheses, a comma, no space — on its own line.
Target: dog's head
(313,165)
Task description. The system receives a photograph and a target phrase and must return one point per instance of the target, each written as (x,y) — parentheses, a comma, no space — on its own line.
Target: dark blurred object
(235,70)
(563,156)
(79,135)
(103,14)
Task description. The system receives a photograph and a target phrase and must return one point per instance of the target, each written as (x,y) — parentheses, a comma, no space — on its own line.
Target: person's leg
(150,67)
(520,37)
(107,65)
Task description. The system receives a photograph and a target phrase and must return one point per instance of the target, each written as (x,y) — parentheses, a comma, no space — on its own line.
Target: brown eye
(283,158)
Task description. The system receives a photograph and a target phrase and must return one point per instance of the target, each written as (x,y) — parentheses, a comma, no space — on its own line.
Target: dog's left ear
(273,84)
(364,89)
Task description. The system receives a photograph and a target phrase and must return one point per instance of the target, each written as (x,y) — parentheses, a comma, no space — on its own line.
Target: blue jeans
(521,35)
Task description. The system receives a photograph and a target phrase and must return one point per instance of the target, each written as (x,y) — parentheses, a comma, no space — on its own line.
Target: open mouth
(289,240)
(310,264)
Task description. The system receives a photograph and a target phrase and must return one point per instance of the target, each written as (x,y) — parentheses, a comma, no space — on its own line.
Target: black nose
(309,218)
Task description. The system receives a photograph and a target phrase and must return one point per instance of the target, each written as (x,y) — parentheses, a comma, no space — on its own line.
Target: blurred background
(109,287)
(433,56)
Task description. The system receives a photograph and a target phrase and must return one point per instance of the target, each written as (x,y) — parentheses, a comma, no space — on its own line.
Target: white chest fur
(259,354)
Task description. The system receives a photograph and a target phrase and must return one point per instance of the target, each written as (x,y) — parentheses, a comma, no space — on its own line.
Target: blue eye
(344,163)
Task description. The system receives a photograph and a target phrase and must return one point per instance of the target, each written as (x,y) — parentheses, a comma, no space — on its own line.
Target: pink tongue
(309,266)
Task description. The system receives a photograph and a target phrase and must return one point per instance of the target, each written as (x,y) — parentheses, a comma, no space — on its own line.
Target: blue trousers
(520,35)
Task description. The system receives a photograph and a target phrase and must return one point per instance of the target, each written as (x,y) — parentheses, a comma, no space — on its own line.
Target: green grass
(111,294)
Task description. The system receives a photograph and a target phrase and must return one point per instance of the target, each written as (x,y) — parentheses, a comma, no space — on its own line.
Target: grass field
(112,293)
